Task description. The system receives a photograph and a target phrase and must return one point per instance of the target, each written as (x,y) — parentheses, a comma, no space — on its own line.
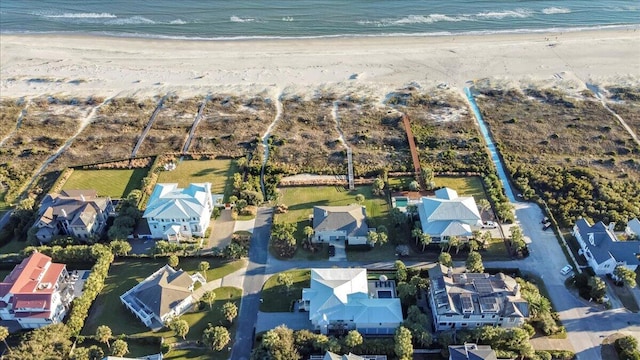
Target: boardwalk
(413,149)
(147,128)
(196,121)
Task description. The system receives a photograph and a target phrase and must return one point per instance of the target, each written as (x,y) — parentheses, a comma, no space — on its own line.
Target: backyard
(218,172)
(301,201)
(113,183)
(123,275)
(276,297)
(464,185)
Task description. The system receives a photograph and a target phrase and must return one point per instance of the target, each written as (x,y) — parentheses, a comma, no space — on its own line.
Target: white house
(36,293)
(468,300)
(602,249)
(447,215)
(165,294)
(340,223)
(78,213)
(344,298)
(174,214)
(633,228)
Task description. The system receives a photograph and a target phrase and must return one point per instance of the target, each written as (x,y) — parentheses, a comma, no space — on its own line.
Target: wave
(177,22)
(79,16)
(518,13)
(287,19)
(555,10)
(241,20)
(134,20)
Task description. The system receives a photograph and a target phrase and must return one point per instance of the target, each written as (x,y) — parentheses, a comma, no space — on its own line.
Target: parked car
(567,269)
(546,225)
(545,220)
(332,251)
(489,225)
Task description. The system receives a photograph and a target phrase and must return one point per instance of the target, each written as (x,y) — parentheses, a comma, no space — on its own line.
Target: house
(176,214)
(36,293)
(333,356)
(468,300)
(633,229)
(340,223)
(345,299)
(447,215)
(165,294)
(470,351)
(602,249)
(78,213)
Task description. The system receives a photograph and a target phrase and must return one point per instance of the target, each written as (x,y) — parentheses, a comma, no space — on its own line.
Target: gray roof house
(78,213)
(344,223)
(333,356)
(471,351)
(447,215)
(462,300)
(633,228)
(164,294)
(602,249)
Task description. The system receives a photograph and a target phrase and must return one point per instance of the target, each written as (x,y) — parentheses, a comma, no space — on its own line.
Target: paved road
(252,285)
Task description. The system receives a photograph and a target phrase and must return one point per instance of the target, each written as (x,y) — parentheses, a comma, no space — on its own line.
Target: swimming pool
(384,294)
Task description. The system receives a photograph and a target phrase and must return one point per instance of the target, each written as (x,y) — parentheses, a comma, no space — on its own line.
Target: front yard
(301,201)
(123,275)
(113,183)
(276,297)
(218,172)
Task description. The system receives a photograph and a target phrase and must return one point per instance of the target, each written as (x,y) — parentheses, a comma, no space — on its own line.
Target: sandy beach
(31,65)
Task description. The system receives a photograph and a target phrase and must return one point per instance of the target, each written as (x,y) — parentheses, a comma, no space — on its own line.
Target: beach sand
(32,65)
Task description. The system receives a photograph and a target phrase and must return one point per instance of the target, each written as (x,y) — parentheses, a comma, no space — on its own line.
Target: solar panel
(483,286)
(489,304)
(467,303)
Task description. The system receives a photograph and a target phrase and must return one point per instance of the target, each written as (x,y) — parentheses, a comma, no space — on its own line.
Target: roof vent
(592,240)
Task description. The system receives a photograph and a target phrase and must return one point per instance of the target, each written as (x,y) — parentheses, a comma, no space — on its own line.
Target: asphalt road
(252,285)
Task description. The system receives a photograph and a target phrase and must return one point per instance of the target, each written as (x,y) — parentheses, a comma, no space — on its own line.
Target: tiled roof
(24,277)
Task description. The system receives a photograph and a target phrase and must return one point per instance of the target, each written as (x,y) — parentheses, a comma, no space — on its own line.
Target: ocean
(244,19)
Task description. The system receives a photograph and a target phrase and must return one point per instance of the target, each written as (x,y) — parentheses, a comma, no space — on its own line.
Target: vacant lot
(218,172)
(108,310)
(569,150)
(112,134)
(301,201)
(9,112)
(230,124)
(171,126)
(47,124)
(113,183)
(277,298)
(305,138)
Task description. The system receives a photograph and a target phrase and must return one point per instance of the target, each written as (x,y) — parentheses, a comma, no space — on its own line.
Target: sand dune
(81,65)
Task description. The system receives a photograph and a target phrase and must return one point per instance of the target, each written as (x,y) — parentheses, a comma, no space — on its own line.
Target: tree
(625,275)
(229,311)
(406,292)
(49,342)
(103,334)
(416,233)
(455,242)
(120,247)
(474,262)
(425,239)
(378,187)
(173,261)
(240,205)
(180,327)
(383,238)
(403,346)
(444,246)
(278,344)
(209,297)
(203,267)
(359,198)
(597,288)
(414,186)
(486,238)
(308,232)
(401,271)
(397,216)
(483,204)
(216,337)
(473,245)
(517,239)
(119,348)
(353,339)
(372,238)
(445,259)
(285,279)
(4,333)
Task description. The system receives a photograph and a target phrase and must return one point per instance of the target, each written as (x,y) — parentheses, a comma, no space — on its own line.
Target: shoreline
(80,64)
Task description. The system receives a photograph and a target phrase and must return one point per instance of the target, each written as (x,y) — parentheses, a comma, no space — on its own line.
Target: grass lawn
(496,250)
(301,201)
(114,183)
(464,185)
(276,298)
(218,172)
(123,275)
(14,246)
(400,183)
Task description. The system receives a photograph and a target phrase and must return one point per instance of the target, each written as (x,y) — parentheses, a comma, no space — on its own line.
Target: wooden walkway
(196,121)
(413,149)
(152,119)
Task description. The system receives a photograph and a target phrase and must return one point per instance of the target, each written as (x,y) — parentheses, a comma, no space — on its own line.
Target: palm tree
(455,242)
(444,246)
(308,232)
(416,233)
(425,239)
(4,333)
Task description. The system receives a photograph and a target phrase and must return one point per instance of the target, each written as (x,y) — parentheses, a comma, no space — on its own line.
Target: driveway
(293,320)
(222,230)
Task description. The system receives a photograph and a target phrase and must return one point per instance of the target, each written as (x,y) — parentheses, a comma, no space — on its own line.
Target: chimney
(82,197)
(450,272)
(516,290)
(611,226)
(64,212)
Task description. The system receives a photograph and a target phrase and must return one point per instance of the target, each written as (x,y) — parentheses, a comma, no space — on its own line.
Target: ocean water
(216,19)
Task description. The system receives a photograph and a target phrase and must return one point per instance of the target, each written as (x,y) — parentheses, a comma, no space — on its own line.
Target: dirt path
(152,119)
(265,138)
(196,121)
(23,112)
(336,119)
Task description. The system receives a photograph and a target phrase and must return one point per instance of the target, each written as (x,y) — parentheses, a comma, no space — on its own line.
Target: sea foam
(80,16)
(555,10)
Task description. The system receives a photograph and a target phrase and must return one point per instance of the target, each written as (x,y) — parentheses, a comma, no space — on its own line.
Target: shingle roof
(164,292)
(472,352)
(605,245)
(350,219)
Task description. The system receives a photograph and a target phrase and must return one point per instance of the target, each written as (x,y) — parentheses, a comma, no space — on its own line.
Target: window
(155,226)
